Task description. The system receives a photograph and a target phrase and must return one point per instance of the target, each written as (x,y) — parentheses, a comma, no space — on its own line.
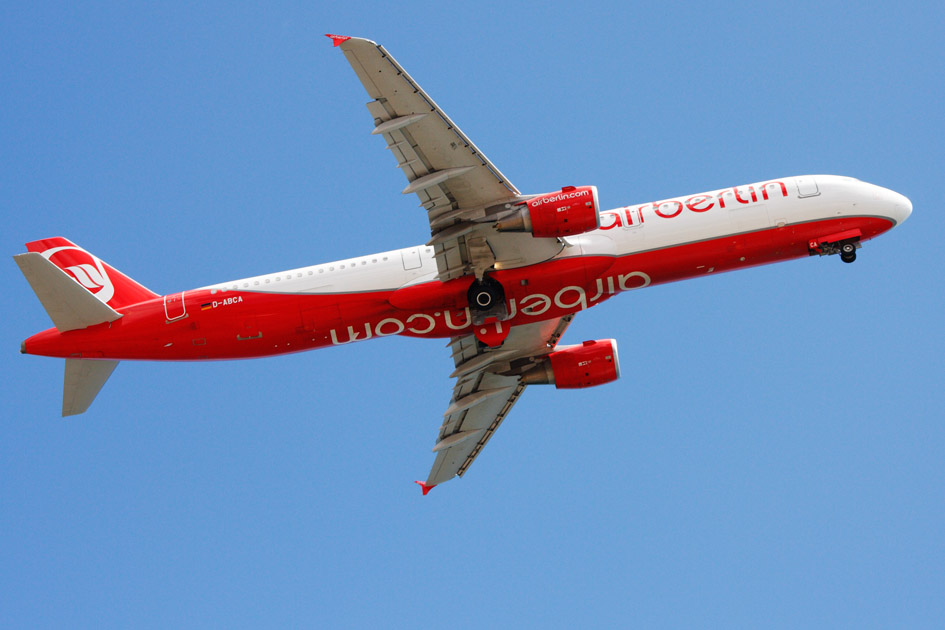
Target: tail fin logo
(85,268)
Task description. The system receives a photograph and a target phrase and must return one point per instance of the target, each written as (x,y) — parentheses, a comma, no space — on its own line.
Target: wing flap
(453,440)
(397,123)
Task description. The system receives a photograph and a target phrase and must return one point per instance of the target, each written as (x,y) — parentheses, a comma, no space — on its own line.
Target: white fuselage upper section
(626,230)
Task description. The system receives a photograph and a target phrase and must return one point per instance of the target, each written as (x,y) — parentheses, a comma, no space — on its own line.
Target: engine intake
(575,367)
(572,210)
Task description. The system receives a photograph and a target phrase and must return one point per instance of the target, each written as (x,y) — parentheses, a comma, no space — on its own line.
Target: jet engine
(575,367)
(572,210)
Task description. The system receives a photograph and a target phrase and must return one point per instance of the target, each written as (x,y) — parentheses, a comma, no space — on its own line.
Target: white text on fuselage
(224,302)
(568,299)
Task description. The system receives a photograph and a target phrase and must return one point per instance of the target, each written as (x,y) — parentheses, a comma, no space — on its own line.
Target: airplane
(501,277)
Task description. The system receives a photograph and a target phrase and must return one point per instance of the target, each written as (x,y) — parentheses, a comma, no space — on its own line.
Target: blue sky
(772,456)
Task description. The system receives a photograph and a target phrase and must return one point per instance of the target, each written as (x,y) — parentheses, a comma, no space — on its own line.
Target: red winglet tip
(424,487)
(337,40)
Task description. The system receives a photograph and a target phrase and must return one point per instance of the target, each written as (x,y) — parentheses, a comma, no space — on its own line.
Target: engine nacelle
(572,210)
(575,367)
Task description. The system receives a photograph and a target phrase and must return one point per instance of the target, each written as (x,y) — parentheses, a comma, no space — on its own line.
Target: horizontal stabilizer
(83,380)
(69,305)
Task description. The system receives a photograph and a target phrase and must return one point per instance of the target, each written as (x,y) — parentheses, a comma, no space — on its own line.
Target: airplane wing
(487,386)
(464,195)
(462,191)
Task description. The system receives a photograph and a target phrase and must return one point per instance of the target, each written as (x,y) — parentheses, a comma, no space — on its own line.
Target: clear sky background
(772,457)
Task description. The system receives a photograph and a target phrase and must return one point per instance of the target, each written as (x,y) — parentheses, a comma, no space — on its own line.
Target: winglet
(338,40)
(423,486)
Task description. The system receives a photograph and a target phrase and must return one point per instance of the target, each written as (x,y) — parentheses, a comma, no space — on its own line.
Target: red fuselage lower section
(231,324)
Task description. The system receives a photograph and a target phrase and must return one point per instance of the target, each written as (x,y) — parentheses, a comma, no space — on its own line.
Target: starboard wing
(462,191)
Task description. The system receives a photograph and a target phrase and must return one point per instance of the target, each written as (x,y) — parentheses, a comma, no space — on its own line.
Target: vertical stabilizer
(83,380)
(89,271)
(70,306)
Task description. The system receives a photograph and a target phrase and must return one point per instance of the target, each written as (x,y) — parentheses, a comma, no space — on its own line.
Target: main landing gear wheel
(484,296)
(848,252)
(486,299)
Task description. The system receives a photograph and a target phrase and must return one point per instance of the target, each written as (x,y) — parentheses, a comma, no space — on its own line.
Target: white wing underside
(464,194)
(483,396)
(462,191)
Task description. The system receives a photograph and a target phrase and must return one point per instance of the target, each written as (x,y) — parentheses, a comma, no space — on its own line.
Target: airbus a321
(502,275)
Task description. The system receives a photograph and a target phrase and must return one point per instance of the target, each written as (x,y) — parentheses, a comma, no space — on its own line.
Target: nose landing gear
(848,252)
(843,243)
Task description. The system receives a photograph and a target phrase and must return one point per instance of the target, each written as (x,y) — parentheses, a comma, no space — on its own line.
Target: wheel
(483,299)
(485,295)
(848,252)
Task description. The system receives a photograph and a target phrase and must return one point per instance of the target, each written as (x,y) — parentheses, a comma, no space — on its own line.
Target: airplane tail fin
(78,290)
(103,281)
(83,380)
(70,306)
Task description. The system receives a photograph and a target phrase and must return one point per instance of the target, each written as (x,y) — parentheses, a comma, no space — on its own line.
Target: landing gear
(486,299)
(845,247)
(848,252)
(484,295)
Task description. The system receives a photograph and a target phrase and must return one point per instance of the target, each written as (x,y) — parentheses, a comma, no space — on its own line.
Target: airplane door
(411,258)
(806,187)
(174,308)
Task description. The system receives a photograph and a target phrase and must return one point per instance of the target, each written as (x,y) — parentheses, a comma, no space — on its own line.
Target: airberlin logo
(84,268)
(569,299)
(562,196)
(735,197)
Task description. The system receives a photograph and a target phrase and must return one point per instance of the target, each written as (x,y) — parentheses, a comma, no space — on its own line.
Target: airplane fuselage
(398,293)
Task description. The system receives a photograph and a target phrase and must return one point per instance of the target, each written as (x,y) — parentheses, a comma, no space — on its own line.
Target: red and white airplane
(501,277)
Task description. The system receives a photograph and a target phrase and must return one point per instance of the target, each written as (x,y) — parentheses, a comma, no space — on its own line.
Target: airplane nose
(891,204)
(903,207)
